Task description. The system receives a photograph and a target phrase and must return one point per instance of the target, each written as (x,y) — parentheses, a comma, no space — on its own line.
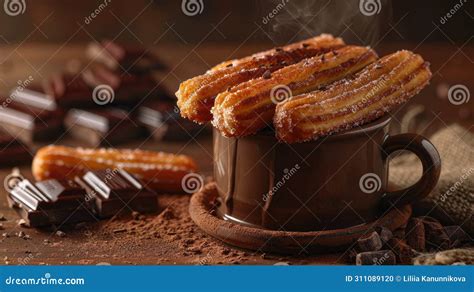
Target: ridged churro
(196,95)
(351,102)
(250,106)
(158,170)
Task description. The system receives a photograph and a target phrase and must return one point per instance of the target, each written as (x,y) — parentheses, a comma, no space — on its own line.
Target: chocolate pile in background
(421,235)
(119,78)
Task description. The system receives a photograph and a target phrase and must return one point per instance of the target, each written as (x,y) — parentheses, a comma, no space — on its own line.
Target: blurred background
(47,36)
(150,22)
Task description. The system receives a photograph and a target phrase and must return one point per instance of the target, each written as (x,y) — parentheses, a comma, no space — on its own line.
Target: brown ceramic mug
(334,182)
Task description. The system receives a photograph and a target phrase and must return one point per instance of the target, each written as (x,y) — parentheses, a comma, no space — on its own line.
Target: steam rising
(299,19)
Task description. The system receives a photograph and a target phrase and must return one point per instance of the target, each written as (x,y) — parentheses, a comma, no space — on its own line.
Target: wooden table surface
(451,64)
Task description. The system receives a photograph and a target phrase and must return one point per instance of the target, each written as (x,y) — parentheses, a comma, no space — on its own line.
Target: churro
(351,102)
(196,95)
(158,170)
(249,106)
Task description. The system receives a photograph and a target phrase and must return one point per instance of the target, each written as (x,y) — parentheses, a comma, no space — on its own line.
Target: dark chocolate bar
(98,86)
(134,59)
(162,120)
(30,115)
(117,191)
(69,91)
(126,88)
(50,202)
(13,151)
(105,127)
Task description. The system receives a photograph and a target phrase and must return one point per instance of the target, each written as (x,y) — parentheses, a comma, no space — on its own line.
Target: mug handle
(430,161)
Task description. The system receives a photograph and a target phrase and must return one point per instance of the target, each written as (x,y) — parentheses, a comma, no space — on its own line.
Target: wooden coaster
(201,209)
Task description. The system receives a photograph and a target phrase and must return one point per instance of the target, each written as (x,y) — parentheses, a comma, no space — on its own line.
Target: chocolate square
(162,120)
(30,115)
(50,202)
(117,191)
(105,127)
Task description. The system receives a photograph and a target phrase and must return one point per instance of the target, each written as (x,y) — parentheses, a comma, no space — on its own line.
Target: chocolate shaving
(267,74)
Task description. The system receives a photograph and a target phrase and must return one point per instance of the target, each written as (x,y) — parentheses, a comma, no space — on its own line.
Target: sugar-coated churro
(351,102)
(160,171)
(249,106)
(196,95)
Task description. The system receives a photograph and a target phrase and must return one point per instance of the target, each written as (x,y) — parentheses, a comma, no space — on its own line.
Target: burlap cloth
(452,200)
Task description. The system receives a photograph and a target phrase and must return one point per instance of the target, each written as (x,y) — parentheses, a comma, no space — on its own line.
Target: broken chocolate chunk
(415,234)
(380,257)
(435,234)
(370,242)
(117,191)
(31,116)
(164,122)
(384,233)
(402,250)
(110,126)
(49,202)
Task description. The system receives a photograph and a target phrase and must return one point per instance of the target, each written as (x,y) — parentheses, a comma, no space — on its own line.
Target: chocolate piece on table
(369,242)
(402,250)
(12,151)
(132,59)
(50,202)
(435,234)
(415,234)
(30,115)
(105,127)
(117,191)
(380,257)
(163,121)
